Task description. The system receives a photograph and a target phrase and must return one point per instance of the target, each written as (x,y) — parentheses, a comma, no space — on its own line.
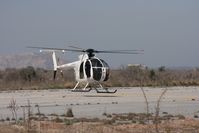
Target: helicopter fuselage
(88,69)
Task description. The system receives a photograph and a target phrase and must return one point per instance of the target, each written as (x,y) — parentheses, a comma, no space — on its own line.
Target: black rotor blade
(134,50)
(122,51)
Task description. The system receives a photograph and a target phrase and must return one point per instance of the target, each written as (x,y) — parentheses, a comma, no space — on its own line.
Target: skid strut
(98,90)
(81,90)
(104,90)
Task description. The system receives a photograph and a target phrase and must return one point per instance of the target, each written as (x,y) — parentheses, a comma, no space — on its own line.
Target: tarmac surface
(177,100)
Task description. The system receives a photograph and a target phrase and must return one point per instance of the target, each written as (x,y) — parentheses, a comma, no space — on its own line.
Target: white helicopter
(88,69)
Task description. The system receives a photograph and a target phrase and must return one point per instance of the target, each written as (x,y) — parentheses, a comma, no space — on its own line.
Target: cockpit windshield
(104,63)
(100,69)
(94,68)
(96,63)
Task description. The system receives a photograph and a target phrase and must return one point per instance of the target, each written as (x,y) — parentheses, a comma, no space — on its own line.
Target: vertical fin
(54,61)
(54,64)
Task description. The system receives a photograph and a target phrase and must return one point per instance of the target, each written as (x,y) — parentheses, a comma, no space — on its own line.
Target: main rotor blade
(134,50)
(76,47)
(121,51)
(92,50)
(47,48)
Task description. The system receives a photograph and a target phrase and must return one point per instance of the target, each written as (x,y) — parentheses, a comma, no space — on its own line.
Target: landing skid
(105,90)
(100,90)
(81,90)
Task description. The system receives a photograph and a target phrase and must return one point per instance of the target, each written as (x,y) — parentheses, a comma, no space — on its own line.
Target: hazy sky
(168,30)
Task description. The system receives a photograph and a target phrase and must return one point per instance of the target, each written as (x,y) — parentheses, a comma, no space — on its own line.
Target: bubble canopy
(94,68)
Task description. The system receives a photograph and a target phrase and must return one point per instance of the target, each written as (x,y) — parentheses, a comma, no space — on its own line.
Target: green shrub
(8,119)
(182,117)
(69,113)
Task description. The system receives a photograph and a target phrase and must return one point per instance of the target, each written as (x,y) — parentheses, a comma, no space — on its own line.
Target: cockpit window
(81,71)
(107,70)
(100,69)
(104,63)
(96,63)
(87,69)
(97,69)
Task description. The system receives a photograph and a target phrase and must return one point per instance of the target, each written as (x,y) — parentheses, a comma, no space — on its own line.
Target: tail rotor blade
(54,76)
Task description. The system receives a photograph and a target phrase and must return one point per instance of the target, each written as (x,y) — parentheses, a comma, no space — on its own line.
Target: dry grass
(171,126)
(35,78)
(5,128)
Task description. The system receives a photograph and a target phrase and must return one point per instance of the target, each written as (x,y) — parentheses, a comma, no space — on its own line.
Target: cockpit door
(88,69)
(81,71)
(97,69)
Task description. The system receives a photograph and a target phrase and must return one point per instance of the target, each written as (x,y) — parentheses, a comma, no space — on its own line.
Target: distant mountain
(27,59)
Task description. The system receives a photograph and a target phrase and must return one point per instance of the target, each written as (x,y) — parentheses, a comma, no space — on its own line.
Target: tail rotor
(55,66)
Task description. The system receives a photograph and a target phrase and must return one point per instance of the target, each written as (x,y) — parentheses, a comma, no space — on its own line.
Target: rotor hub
(90,52)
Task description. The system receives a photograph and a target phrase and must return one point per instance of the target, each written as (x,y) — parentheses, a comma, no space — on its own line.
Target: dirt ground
(174,126)
(97,113)
(177,100)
